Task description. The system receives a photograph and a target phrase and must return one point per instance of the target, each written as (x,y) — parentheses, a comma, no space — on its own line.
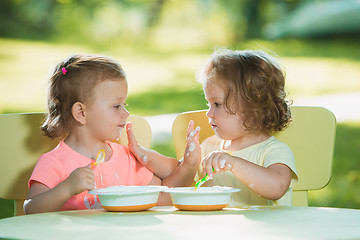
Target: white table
(249,222)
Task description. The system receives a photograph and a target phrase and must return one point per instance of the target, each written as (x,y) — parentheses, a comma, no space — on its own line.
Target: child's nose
(209,113)
(125,113)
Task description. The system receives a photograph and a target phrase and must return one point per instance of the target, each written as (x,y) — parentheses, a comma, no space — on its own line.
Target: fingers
(88,177)
(192,154)
(193,133)
(197,136)
(207,165)
(88,168)
(192,139)
(81,179)
(130,134)
(228,165)
(217,162)
(136,150)
(190,127)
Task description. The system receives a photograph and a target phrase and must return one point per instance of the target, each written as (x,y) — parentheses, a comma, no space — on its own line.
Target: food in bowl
(128,198)
(203,199)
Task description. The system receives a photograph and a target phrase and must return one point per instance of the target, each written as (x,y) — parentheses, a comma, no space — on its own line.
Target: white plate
(203,199)
(127,190)
(128,198)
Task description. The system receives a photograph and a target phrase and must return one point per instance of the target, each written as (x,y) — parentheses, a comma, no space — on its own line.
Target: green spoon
(202,181)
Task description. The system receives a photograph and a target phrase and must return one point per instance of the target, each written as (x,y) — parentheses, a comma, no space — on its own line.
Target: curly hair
(74,81)
(254,86)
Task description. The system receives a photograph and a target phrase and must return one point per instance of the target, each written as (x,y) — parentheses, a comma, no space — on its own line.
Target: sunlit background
(162,43)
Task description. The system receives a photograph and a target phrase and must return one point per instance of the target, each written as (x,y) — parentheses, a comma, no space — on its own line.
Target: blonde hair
(74,81)
(255,83)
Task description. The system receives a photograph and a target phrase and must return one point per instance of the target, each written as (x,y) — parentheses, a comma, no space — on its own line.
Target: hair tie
(64,71)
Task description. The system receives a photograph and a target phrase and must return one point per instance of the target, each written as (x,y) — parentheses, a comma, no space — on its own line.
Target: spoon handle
(203,180)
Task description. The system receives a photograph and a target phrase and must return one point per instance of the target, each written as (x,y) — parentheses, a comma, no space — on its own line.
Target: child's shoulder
(54,152)
(212,141)
(275,145)
(119,149)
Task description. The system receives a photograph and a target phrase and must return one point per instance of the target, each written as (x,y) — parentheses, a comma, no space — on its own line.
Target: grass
(343,189)
(313,68)
(166,100)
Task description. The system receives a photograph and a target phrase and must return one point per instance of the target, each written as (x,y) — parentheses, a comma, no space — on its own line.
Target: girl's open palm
(192,155)
(134,147)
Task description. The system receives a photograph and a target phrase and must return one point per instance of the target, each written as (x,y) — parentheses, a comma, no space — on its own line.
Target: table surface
(249,222)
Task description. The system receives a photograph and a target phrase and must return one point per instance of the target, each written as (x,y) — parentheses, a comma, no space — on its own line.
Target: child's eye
(216,104)
(119,105)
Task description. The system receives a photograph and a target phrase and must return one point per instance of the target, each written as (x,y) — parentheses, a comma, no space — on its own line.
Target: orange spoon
(99,158)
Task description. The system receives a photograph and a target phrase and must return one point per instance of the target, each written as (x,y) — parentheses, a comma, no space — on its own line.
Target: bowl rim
(204,190)
(126,190)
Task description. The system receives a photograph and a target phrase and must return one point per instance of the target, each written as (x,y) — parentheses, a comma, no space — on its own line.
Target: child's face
(225,125)
(106,114)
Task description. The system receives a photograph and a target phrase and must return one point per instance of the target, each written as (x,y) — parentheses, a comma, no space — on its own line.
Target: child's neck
(88,147)
(244,142)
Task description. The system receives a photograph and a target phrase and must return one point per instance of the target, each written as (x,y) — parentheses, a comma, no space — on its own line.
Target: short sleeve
(47,171)
(281,153)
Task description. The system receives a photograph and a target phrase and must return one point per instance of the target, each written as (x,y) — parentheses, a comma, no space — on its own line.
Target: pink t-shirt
(121,169)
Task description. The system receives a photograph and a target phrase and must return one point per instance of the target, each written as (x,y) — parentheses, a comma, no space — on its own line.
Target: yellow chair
(21,144)
(311,136)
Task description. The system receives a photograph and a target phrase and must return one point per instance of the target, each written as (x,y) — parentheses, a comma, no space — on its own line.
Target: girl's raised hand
(216,162)
(192,155)
(80,179)
(137,150)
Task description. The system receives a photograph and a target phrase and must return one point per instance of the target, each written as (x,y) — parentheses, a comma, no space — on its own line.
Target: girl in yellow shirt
(246,99)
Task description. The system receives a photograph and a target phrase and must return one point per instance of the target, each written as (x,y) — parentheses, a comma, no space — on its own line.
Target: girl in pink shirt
(86,106)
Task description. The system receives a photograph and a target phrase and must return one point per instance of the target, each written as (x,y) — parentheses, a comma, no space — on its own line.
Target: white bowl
(128,198)
(203,199)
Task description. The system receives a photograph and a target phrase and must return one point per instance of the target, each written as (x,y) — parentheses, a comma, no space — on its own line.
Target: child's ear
(78,112)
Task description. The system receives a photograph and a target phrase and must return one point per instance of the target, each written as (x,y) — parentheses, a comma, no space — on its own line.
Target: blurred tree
(16,20)
(101,21)
(75,18)
(248,17)
(155,13)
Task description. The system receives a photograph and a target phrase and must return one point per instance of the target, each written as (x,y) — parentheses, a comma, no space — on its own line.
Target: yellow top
(264,154)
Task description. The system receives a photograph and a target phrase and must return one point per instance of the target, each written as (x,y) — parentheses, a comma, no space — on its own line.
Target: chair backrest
(311,137)
(21,144)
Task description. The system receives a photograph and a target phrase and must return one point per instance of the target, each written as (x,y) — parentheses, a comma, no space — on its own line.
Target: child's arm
(183,176)
(159,164)
(271,182)
(164,198)
(43,199)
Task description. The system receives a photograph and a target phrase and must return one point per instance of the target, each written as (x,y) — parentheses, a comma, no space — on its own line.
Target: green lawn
(312,68)
(344,186)
(163,81)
